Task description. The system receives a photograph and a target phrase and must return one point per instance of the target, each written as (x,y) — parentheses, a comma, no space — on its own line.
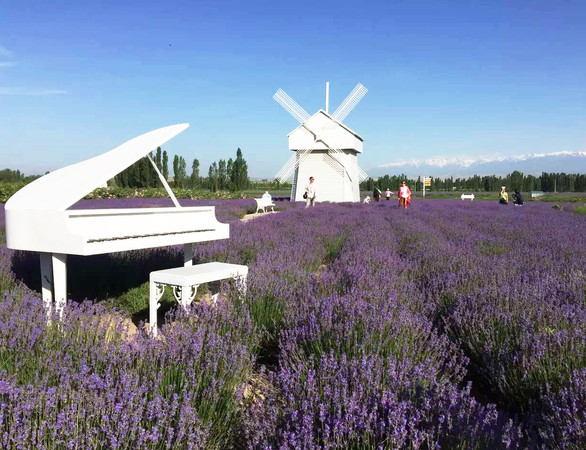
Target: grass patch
(333,246)
(247,254)
(412,243)
(267,313)
(10,284)
(580,210)
(489,248)
(136,300)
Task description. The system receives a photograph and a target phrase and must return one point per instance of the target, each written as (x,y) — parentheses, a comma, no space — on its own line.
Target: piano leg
(60,282)
(47,282)
(188,253)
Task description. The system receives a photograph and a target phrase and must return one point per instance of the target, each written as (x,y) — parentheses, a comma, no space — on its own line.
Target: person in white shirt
(267,196)
(310,193)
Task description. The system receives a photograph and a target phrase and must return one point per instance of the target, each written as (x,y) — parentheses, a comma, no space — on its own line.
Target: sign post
(426,183)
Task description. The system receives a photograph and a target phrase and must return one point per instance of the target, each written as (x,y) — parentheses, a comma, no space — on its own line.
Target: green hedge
(194,194)
(9,188)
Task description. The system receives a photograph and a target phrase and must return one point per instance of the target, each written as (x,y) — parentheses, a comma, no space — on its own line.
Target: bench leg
(185,294)
(240,280)
(155,294)
(242,288)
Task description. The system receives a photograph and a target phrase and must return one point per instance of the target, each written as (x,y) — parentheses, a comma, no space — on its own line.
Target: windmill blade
(334,163)
(350,102)
(291,106)
(292,164)
(336,154)
(362,175)
(339,156)
(286,169)
(335,150)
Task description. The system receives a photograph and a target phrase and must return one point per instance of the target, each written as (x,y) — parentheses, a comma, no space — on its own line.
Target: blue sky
(445,78)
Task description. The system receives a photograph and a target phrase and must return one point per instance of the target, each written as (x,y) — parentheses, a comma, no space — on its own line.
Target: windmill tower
(324,148)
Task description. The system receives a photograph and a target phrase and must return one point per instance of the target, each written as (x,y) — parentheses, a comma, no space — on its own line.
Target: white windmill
(324,148)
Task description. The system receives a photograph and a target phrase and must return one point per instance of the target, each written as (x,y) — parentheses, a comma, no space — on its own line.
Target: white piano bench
(185,280)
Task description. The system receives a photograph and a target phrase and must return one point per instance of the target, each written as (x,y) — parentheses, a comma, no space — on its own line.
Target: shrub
(88,384)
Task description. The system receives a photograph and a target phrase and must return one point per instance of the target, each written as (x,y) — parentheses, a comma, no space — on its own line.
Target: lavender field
(448,325)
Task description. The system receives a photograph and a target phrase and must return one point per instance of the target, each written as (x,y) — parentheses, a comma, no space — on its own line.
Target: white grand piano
(37,218)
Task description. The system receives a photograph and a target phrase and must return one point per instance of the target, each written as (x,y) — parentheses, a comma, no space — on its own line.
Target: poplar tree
(195,173)
(176,180)
(222,174)
(145,168)
(158,158)
(213,177)
(229,168)
(181,172)
(239,175)
(165,165)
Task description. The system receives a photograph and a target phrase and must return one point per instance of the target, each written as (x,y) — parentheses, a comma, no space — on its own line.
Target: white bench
(467,196)
(185,281)
(263,204)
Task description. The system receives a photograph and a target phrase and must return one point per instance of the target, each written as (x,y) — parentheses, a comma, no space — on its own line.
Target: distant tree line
(229,175)
(546,182)
(269,185)
(222,175)
(16,175)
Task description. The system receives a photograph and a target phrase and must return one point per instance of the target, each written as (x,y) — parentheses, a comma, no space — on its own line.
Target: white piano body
(37,218)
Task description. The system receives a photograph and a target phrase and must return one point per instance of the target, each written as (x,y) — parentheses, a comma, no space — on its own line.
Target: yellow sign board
(427,181)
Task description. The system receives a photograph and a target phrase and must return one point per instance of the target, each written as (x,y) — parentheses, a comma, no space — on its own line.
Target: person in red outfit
(404,195)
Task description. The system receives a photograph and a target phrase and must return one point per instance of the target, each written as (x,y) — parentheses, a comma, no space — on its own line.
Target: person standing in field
(388,194)
(404,195)
(376,194)
(504,196)
(310,193)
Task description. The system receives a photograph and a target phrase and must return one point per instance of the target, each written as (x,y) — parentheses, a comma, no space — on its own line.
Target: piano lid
(60,189)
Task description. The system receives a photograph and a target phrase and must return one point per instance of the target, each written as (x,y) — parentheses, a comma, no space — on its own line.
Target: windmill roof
(321,111)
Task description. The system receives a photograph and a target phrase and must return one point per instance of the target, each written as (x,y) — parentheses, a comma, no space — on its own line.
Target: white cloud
(30,92)
(5,52)
(23,91)
(467,162)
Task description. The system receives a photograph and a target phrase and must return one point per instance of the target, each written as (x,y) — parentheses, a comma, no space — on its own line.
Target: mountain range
(531,164)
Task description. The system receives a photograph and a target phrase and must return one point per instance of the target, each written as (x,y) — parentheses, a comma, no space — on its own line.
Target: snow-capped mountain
(568,162)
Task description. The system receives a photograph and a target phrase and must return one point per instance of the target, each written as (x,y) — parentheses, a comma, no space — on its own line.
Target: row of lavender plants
(447,325)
